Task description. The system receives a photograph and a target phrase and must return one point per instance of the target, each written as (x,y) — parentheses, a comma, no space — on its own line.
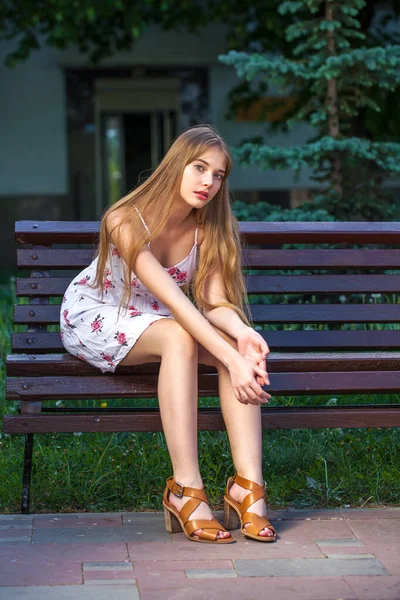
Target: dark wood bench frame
(301,362)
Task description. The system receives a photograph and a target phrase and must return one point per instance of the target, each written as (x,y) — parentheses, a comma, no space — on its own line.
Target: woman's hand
(252,346)
(244,376)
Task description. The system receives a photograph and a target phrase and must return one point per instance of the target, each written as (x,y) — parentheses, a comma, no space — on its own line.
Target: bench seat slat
(145,386)
(49,232)
(65,364)
(55,258)
(255,284)
(33,342)
(261,313)
(208,419)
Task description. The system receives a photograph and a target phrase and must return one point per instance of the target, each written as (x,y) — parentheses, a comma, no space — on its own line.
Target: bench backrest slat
(58,258)
(86,232)
(289,341)
(256,284)
(261,313)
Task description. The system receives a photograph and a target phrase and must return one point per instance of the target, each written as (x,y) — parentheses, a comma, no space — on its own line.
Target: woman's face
(202,178)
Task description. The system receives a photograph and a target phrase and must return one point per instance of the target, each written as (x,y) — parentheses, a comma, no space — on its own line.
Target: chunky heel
(231,519)
(172,524)
(176,520)
(234,511)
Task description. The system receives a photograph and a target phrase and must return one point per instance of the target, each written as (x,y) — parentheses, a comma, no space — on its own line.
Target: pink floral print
(82,281)
(115,252)
(66,319)
(108,358)
(178,275)
(181,276)
(97,324)
(107,282)
(135,283)
(107,285)
(133,312)
(121,338)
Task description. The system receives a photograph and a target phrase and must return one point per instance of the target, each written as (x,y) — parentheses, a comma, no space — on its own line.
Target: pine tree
(340,72)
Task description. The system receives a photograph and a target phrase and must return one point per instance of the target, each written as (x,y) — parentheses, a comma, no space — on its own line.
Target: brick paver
(67,592)
(243,588)
(48,564)
(390,512)
(347,554)
(381,588)
(310,567)
(210,573)
(340,543)
(76,521)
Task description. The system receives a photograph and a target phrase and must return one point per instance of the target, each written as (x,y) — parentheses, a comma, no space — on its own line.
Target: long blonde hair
(153,199)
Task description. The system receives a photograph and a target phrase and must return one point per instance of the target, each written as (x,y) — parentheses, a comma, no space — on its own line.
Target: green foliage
(116,472)
(98,27)
(263,211)
(342,81)
(317,154)
(359,67)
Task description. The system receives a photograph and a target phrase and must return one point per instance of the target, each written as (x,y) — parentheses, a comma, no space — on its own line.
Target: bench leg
(26,477)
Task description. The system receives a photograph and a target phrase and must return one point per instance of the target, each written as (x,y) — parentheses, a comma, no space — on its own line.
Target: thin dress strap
(143,221)
(147,229)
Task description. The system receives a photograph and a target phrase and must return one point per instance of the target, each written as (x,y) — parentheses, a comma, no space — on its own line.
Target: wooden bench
(302,361)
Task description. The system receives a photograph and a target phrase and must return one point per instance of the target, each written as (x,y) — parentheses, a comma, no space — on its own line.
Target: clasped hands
(252,346)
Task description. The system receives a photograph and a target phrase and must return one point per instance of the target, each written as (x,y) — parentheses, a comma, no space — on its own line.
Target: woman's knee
(178,339)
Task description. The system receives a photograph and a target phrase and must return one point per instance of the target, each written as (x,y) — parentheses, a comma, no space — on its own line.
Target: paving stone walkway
(351,554)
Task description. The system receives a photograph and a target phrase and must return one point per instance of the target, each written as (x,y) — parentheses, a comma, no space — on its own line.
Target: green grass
(127,471)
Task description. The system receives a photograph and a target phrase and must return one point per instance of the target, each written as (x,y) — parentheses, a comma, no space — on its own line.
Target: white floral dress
(94,330)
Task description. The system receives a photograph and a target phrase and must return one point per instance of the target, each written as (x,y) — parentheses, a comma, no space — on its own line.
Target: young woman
(173,237)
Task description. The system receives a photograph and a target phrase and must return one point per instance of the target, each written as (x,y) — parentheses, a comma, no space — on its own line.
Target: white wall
(158,47)
(33,143)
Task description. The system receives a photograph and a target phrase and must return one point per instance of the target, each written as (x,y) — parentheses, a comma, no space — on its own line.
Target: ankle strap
(247,483)
(179,490)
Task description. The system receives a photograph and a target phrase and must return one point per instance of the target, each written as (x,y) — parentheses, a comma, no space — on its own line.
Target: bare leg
(243,424)
(167,341)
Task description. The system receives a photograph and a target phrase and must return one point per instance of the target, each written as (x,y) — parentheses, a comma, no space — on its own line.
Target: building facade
(74,138)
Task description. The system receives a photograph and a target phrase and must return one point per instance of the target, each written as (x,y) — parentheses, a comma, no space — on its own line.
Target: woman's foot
(203,511)
(259,507)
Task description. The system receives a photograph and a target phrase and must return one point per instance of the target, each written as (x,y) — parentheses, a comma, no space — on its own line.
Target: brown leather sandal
(235,512)
(176,521)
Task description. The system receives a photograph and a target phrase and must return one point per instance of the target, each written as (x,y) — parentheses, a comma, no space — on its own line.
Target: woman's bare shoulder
(112,220)
(121,217)
(115,218)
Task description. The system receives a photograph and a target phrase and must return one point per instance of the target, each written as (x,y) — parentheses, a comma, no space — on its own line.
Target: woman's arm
(250,343)
(226,319)
(164,288)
